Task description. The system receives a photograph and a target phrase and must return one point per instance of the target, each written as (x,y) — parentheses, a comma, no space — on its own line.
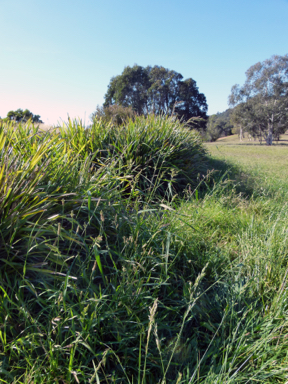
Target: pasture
(268,161)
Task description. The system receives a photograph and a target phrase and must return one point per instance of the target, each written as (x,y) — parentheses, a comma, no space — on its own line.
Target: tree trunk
(241,133)
(269,137)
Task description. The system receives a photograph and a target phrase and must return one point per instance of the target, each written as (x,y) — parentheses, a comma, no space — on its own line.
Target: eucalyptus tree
(265,93)
(243,118)
(158,90)
(130,89)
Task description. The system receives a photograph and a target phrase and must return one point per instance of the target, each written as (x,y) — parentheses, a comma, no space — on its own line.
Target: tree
(263,99)
(243,119)
(23,116)
(129,89)
(160,91)
(219,125)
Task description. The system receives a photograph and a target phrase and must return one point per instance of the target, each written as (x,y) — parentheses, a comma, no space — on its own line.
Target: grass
(111,271)
(268,164)
(234,139)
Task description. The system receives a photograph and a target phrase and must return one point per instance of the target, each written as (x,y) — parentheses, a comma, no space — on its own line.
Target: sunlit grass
(266,163)
(247,140)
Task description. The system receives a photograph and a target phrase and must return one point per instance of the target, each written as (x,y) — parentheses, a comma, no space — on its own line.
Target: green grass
(266,164)
(111,271)
(234,139)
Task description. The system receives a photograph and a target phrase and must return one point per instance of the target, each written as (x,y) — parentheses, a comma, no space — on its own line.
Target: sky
(57,57)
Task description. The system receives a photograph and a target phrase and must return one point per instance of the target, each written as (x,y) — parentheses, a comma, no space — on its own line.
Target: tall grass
(107,278)
(146,148)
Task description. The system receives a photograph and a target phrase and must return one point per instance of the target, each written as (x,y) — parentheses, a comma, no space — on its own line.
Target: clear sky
(57,56)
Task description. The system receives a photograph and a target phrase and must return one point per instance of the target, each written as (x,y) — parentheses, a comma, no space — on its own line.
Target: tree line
(22,116)
(259,106)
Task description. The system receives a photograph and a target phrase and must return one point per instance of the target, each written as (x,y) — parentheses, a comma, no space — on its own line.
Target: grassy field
(132,255)
(234,139)
(270,162)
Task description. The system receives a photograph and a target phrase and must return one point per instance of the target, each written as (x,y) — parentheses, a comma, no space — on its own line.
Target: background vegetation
(219,125)
(262,102)
(22,116)
(159,91)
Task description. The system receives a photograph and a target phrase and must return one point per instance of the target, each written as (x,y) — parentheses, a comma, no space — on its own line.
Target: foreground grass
(107,276)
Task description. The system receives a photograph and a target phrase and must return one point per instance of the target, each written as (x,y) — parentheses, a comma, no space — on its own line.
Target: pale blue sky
(58,56)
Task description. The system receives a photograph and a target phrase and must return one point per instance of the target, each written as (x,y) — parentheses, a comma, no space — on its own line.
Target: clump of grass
(149,148)
(48,198)
(106,277)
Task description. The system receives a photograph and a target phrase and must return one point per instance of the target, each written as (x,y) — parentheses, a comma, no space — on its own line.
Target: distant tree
(219,125)
(160,91)
(22,116)
(130,89)
(263,99)
(242,118)
(117,114)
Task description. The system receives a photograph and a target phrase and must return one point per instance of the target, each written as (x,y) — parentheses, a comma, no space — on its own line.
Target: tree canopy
(262,102)
(219,125)
(158,90)
(22,116)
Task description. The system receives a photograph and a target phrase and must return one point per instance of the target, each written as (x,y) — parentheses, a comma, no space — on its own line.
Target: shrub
(116,114)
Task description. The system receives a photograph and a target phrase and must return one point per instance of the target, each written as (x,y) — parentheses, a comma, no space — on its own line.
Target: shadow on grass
(223,171)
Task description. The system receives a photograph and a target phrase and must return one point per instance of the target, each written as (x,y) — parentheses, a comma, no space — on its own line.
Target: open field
(121,263)
(234,139)
(271,162)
